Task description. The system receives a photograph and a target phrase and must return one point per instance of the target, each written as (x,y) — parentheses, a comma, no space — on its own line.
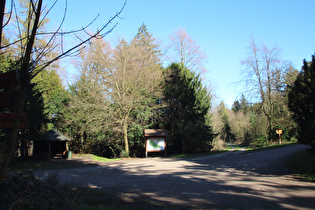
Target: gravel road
(231,180)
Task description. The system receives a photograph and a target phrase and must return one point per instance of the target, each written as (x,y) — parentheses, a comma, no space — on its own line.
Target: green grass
(302,164)
(229,148)
(236,147)
(195,154)
(249,149)
(98,158)
(186,155)
(94,157)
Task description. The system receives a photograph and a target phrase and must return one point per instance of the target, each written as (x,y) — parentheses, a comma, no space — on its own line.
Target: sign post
(279,131)
(155,141)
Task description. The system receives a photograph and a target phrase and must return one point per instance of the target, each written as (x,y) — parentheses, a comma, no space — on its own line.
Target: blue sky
(223,29)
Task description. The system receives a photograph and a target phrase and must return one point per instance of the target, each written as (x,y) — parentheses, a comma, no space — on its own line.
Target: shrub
(25,191)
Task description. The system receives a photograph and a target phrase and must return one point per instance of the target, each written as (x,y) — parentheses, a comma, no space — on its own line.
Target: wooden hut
(155,141)
(51,144)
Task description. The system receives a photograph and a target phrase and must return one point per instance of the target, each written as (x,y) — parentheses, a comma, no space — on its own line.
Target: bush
(104,148)
(303,164)
(259,141)
(124,154)
(25,191)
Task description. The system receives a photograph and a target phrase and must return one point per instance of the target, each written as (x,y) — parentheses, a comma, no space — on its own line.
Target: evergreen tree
(186,115)
(226,130)
(55,96)
(244,104)
(241,104)
(302,103)
(37,118)
(236,107)
(34,108)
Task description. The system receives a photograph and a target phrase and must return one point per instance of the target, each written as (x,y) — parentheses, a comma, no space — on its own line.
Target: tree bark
(24,79)
(2,7)
(125,128)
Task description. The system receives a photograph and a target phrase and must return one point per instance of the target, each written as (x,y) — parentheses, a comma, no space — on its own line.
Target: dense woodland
(125,88)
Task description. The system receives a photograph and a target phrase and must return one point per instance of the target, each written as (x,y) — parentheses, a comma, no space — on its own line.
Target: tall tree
(226,134)
(186,114)
(186,51)
(54,95)
(123,83)
(261,66)
(32,62)
(241,105)
(136,86)
(302,102)
(240,126)
(236,106)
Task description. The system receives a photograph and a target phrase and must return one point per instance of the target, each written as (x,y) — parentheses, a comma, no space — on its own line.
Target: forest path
(230,180)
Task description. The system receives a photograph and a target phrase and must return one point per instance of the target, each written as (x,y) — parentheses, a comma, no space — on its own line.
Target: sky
(222,28)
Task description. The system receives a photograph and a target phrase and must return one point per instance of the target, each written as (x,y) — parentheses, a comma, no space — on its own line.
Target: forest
(133,85)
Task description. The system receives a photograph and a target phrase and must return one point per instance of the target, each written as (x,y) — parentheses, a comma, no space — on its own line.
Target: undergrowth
(302,164)
(25,191)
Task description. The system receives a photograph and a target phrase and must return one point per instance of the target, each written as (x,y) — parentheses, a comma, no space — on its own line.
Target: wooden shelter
(155,141)
(51,144)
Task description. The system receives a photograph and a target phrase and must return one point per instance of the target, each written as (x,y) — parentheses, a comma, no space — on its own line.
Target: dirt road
(232,180)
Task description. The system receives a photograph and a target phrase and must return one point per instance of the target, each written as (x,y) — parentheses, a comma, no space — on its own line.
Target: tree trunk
(2,9)
(13,137)
(125,127)
(23,84)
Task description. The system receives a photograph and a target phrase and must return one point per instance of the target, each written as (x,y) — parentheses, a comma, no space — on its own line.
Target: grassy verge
(195,154)
(94,157)
(249,149)
(302,164)
(32,164)
(231,147)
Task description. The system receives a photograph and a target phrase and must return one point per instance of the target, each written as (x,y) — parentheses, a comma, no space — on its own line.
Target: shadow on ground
(235,180)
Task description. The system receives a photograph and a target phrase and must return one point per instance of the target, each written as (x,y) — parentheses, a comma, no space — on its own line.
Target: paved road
(232,180)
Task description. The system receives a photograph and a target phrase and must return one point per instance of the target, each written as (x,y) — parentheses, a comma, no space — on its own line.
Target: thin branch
(60,25)
(44,17)
(18,25)
(82,43)
(51,33)
(10,15)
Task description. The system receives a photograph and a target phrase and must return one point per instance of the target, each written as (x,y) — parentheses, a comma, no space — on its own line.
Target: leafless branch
(52,6)
(59,28)
(10,15)
(95,35)
(18,26)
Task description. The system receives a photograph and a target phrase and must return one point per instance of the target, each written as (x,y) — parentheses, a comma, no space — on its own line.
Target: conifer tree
(302,103)
(186,115)
(226,130)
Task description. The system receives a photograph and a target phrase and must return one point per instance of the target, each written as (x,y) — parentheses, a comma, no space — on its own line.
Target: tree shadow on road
(232,182)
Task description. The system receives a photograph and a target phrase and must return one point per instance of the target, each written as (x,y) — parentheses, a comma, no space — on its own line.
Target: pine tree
(226,130)
(302,103)
(54,95)
(186,115)
(236,107)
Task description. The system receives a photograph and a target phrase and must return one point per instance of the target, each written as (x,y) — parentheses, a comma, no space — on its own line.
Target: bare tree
(120,83)
(31,63)
(186,51)
(261,73)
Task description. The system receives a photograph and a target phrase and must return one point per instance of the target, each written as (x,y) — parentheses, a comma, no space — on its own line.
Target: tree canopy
(302,102)
(186,114)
